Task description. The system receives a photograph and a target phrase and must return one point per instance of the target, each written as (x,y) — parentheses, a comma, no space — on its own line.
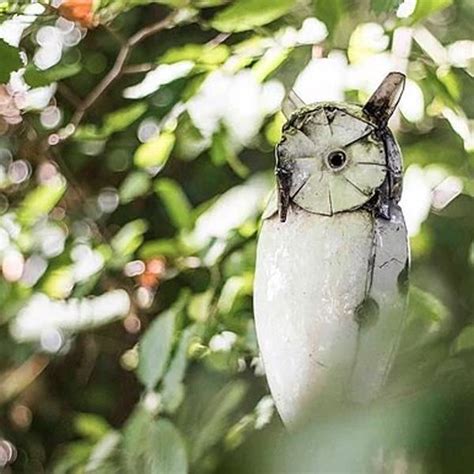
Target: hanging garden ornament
(332,257)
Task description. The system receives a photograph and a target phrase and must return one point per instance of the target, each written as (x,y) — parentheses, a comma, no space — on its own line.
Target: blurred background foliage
(136,155)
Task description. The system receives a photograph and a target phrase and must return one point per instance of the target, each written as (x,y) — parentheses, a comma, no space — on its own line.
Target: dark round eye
(337,159)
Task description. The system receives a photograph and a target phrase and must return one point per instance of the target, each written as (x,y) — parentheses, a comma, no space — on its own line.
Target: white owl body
(305,321)
(332,257)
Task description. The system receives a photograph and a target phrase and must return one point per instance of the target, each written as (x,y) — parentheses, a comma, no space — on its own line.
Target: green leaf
(155,152)
(40,201)
(56,283)
(153,446)
(155,348)
(243,15)
(232,289)
(330,12)
(91,426)
(221,152)
(465,340)
(73,457)
(380,6)
(427,317)
(129,237)
(273,129)
(104,456)
(200,306)
(208,3)
(199,53)
(269,63)
(442,88)
(123,118)
(35,77)
(424,305)
(11,61)
(215,418)
(426,8)
(163,247)
(219,148)
(173,388)
(136,184)
(114,122)
(176,203)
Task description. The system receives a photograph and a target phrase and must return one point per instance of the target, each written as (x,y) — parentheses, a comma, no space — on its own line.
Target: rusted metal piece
(384,100)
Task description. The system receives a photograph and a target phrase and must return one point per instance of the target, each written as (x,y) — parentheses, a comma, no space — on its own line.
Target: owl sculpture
(332,256)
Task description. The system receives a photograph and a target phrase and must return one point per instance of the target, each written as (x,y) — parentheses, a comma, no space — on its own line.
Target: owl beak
(384,100)
(291,103)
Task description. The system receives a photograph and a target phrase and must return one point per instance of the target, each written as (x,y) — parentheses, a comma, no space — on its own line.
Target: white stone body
(304,309)
(331,257)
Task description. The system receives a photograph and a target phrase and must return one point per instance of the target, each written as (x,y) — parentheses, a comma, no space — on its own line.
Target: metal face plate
(308,141)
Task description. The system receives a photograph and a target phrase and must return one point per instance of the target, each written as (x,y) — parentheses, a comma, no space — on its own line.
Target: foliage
(136,157)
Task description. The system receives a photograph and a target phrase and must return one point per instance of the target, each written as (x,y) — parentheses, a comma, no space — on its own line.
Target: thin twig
(69,95)
(219,39)
(116,36)
(117,68)
(16,380)
(138,68)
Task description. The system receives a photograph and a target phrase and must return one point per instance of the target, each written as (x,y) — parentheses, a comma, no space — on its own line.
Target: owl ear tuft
(291,103)
(384,100)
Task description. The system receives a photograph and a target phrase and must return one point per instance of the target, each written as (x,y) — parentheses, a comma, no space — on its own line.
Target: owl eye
(336,160)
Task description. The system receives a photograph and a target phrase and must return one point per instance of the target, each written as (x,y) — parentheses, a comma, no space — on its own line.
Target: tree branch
(69,95)
(138,68)
(116,70)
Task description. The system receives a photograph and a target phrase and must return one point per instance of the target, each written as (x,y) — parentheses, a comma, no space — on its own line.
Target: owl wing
(382,314)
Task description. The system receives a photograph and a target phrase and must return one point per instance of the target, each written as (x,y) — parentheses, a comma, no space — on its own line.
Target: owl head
(336,157)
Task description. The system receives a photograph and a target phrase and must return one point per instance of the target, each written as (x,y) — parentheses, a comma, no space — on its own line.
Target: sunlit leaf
(465,340)
(176,203)
(164,77)
(200,305)
(136,184)
(270,62)
(40,201)
(114,122)
(155,152)
(123,118)
(129,237)
(199,53)
(155,348)
(104,458)
(57,282)
(163,247)
(91,426)
(244,15)
(273,129)
(425,8)
(10,61)
(232,288)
